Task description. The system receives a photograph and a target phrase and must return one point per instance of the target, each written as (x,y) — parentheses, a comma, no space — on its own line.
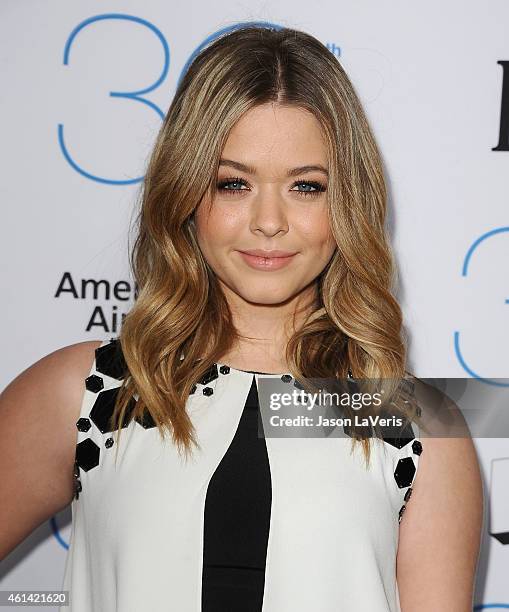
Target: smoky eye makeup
(306,188)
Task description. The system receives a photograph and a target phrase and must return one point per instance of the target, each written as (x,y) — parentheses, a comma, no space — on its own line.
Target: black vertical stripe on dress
(237,518)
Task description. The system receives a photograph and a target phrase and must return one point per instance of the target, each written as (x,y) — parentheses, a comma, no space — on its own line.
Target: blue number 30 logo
(138,95)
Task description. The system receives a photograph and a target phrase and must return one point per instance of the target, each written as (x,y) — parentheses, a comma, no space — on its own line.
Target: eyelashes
(224,187)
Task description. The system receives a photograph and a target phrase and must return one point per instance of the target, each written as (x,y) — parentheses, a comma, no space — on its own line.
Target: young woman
(261,253)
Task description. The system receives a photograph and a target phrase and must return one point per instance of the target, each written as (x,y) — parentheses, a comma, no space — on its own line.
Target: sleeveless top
(249,524)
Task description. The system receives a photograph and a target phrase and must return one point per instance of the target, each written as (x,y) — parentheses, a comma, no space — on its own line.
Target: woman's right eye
(231,185)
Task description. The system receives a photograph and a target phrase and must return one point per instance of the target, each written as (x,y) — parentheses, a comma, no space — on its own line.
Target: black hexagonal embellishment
(76,480)
(210,375)
(366,431)
(94,383)
(417,447)
(408,494)
(103,407)
(403,437)
(224,369)
(83,424)
(297,385)
(109,443)
(147,422)
(87,454)
(109,360)
(400,515)
(208,391)
(404,472)
(77,488)
(286,378)
(193,389)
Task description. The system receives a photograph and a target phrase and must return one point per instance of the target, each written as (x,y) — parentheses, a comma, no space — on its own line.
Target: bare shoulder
(38,414)
(56,373)
(440,534)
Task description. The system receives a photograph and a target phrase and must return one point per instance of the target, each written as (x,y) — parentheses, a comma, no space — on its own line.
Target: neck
(263,330)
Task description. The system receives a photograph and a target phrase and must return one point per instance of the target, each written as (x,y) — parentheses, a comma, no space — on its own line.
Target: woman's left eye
(317,188)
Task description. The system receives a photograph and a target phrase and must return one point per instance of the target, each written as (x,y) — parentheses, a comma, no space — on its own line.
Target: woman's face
(271,195)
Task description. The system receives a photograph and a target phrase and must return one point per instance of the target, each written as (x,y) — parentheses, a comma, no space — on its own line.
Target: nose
(269,212)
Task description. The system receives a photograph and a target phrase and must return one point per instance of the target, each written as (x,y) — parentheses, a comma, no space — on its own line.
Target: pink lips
(267,260)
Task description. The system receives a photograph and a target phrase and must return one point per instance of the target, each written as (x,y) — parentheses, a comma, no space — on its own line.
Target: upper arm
(38,414)
(440,534)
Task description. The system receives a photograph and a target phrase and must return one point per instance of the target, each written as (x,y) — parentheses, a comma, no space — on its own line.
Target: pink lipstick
(267,260)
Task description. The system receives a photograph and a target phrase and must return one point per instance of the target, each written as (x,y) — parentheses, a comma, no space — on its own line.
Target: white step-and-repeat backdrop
(84,87)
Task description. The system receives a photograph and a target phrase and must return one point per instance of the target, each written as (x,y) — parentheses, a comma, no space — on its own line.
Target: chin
(264,296)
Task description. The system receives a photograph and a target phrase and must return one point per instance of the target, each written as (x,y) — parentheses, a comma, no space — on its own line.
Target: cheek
(216,228)
(316,231)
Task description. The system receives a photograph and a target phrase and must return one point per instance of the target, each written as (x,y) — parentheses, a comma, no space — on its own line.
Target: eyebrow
(291,172)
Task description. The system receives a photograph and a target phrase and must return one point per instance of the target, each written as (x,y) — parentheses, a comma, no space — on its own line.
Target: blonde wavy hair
(179,309)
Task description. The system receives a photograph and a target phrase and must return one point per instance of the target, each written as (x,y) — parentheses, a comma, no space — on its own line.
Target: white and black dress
(248,524)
